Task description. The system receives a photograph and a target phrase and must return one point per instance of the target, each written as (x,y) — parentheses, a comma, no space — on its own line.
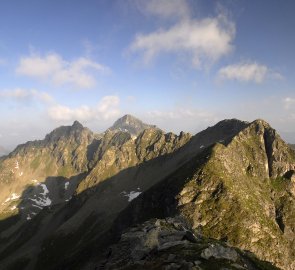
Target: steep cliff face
(240,191)
(120,151)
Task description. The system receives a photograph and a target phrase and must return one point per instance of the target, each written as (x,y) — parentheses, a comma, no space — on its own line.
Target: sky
(179,64)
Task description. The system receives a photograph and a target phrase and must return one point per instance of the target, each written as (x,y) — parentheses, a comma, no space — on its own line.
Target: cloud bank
(107,108)
(289,103)
(53,68)
(247,72)
(202,41)
(182,119)
(21,94)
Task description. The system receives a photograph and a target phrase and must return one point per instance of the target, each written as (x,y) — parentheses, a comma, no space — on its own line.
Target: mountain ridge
(103,180)
(184,198)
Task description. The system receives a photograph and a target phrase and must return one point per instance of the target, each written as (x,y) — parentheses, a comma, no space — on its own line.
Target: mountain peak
(77,125)
(127,119)
(131,124)
(75,130)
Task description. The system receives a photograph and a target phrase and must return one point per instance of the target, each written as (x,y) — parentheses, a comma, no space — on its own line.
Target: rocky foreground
(170,244)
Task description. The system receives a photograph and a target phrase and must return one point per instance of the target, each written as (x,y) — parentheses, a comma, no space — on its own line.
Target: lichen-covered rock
(219,252)
(170,244)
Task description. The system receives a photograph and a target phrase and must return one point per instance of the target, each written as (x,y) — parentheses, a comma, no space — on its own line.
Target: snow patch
(131,195)
(38,206)
(45,190)
(13,197)
(66,185)
(42,201)
(45,201)
(68,199)
(16,165)
(21,173)
(29,217)
(202,146)
(13,208)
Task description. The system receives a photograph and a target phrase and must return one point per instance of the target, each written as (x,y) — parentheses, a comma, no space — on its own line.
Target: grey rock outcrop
(170,244)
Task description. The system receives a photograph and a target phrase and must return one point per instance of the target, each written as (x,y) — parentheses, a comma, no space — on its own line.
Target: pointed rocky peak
(263,141)
(64,134)
(131,124)
(77,125)
(75,130)
(261,125)
(261,122)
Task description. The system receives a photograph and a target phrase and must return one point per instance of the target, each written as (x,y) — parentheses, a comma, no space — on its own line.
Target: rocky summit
(131,124)
(135,197)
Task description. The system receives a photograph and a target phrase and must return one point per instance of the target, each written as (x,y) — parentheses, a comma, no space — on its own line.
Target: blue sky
(179,64)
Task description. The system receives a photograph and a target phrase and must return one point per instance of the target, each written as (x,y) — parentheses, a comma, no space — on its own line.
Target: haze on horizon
(178,64)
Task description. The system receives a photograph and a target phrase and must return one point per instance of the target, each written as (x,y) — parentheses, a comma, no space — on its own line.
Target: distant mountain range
(135,197)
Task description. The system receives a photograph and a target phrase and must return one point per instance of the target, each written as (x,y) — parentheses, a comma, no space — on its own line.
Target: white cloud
(182,119)
(244,72)
(203,41)
(54,68)
(289,103)
(247,72)
(107,108)
(20,94)
(166,8)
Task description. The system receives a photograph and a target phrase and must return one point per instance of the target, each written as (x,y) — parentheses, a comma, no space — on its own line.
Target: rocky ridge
(240,191)
(171,244)
(233,181)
